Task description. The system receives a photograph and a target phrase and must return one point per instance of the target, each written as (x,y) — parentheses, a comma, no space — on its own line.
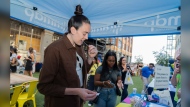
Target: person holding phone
(106,77)
(176,79)
(63,76)
(124,67)
(29,62)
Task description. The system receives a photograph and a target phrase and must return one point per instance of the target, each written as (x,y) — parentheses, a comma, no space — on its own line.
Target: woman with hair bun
(63,76)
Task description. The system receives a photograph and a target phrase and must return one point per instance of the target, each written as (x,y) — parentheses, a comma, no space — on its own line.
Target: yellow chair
(29,94)
(16,92)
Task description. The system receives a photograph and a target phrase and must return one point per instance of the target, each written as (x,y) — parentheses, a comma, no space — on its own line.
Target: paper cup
(134,90)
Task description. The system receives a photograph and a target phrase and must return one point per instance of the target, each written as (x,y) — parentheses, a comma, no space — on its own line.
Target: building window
(126,48)
(120,44)
(123,46)
(128,40)
(129,49)
(56,37)
(113,41)
(131,40)
(30,36)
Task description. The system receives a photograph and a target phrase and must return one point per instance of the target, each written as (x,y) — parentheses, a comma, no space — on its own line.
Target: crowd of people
(26,66)
(65,67)
(63,76)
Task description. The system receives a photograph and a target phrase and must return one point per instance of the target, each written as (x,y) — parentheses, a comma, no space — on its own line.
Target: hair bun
(78,10)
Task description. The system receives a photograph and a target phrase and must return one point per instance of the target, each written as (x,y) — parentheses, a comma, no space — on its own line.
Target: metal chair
(16,92)
(29,94)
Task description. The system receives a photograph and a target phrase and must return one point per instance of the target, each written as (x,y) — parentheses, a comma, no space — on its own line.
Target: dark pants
(174,103)
(90,85)
(13,68)
(124,92)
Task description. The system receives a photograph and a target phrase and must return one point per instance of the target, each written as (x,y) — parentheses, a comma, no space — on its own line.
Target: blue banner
(161,17)
(37,18)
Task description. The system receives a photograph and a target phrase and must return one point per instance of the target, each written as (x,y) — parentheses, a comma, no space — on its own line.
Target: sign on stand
(162,75)
(164,97)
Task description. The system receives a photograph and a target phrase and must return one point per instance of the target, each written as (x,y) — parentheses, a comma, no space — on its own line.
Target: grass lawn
(136,80)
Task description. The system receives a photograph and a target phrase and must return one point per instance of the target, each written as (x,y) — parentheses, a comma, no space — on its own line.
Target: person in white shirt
(20,67)
(13,60)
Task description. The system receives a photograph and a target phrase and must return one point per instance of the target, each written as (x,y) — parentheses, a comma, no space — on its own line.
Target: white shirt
(13,56)
(79,65)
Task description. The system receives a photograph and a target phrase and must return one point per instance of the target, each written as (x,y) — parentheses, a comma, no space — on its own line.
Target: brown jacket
(59,72)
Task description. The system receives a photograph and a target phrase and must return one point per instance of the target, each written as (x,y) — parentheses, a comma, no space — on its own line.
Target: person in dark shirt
(106,78)
(124,67)
(63,76)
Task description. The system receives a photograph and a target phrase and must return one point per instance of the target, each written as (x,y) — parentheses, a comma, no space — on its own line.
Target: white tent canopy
(109,18)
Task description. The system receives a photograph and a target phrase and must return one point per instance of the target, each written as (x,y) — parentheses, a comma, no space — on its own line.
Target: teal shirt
(112,76)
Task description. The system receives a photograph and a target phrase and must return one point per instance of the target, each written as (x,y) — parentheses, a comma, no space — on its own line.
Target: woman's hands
(86,94)
(124,69)
(92,51)
(120,84)
(26,58)
(83,93)
(108,84)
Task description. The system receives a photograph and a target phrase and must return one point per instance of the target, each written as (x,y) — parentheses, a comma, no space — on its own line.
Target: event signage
(162,75)
(155,21)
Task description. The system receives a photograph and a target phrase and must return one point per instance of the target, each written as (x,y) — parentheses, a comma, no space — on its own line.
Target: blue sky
(145,45)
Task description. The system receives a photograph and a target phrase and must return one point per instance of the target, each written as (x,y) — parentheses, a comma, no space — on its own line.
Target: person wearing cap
(19,61)
(145,74)
(20,64)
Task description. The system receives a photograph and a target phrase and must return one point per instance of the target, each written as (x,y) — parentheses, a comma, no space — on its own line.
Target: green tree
(162,58)
(139,59)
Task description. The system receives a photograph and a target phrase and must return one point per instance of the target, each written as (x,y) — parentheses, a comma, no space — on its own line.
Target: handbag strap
(127,73)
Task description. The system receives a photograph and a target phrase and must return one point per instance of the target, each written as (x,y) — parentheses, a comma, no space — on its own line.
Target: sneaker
(89,104)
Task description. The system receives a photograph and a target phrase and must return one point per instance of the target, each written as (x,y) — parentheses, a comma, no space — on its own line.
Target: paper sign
(164,97)
(162,75)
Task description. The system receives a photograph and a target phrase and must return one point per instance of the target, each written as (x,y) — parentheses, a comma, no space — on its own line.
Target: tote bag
(128,79)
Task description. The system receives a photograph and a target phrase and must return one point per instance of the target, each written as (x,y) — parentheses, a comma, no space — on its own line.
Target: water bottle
(142,94)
